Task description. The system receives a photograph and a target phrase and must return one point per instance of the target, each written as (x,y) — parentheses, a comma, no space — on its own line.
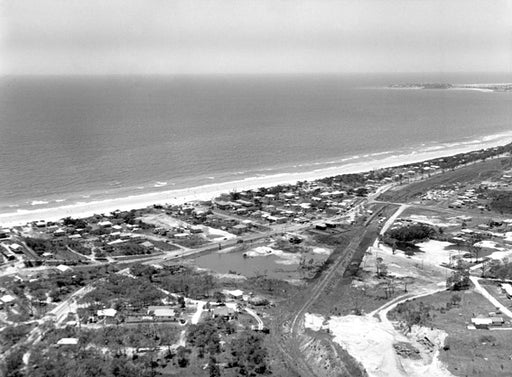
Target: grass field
(471,352)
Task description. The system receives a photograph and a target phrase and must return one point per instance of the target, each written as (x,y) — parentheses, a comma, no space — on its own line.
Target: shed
(68,342)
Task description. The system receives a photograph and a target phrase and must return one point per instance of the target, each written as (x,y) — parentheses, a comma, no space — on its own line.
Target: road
(256,317)
(489,297)
(393,218)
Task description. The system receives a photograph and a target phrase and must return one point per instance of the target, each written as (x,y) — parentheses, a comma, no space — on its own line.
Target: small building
(245,203)
(67,342)
(63,268)
(330,224)
(147,245)
(239,229)
(481,323)
(7,300)
(162,312)
(222,204)
(59,232)
(196,229)
(41,224)
(497,321)
(18,249)
(321,226)
(106,313)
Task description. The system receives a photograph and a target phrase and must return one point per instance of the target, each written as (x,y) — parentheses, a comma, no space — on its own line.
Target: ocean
(66,140)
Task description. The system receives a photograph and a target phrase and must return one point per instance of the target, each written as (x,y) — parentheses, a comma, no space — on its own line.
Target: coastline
(209,191)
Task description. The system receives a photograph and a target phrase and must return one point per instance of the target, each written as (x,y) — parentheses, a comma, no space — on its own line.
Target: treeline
(244,352)
(120,290)
(41,246)
(498,269)
(501,201)
(405,237)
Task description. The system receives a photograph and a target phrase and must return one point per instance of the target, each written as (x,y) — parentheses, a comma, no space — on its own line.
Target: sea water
(67,140)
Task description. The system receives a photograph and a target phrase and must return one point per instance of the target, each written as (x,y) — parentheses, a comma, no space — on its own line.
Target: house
(59,232)
(106,313)
(224,312)
(147,245)
(245,203)
(7,300)
(330,224)
(162,312)
(41,224)
(196,229)
(321,226)
(277,219)
(105,224)
(63,268)
(239,229)
(481,323)
(16,248)
(222,205)
(237,293)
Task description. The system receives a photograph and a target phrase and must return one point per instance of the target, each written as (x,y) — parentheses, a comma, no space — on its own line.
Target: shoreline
(210,191)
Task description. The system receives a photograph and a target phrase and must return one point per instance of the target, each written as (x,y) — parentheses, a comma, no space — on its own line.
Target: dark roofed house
(224,312)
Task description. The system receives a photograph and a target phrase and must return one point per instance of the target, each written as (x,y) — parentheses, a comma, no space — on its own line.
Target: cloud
(202,36)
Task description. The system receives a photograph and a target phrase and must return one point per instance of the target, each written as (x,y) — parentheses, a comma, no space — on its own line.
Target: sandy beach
(208,192)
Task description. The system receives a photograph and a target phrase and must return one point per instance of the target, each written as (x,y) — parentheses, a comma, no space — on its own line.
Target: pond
(270,265)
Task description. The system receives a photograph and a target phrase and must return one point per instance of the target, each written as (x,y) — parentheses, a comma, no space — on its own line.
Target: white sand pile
(499,255)
(369,343)
(163,220)
(314,322)
(217,233)
(488,244)
(435,252)
(322,251)
(285,258)
(431,220)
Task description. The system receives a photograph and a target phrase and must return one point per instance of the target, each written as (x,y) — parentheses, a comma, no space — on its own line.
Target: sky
(94,37)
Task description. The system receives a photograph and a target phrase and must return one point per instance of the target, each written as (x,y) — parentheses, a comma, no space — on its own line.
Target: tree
(459,279)
(213,368)
(407,280)
(382,269)
(455,299)
(182,354)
